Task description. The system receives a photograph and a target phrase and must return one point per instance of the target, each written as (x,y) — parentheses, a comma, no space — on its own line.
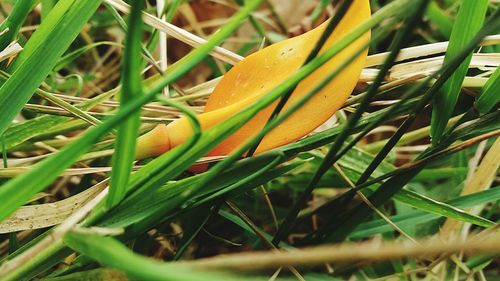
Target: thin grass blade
(490,96)
(469,21)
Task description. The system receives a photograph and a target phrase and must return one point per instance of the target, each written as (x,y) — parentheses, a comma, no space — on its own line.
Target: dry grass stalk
(346,252)
(13,49)
(177,33)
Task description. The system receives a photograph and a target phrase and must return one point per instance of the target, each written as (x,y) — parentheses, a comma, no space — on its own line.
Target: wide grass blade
(131,82)
(47,6)
(469,20)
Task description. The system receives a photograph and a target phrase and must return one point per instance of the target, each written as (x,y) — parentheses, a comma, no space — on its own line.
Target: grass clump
(399,184)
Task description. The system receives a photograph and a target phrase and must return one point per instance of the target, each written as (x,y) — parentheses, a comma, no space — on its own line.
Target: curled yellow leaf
(259,73)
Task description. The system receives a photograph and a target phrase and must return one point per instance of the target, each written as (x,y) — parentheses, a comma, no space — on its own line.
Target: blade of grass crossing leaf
(490,95)
(273,122)
(328,136)
(314,52)
(14,21)
(108,251)
(43,50)
(284,116)
(131,82)
(469,20)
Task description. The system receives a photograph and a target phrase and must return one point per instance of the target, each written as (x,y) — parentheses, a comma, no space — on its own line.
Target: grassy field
(249,140)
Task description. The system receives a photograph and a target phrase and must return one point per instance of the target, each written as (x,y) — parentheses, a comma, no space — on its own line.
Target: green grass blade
(112,253)
(432,206)
(440,19)
(172,9)
(59,102)
(43,50)
(47,6)
(339,15)
(4,152)
(140,206)
(409,197)
(131,82)
(469,21)
(490,95)
(14,21)
(239,222)
(412,218)
(70,57)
